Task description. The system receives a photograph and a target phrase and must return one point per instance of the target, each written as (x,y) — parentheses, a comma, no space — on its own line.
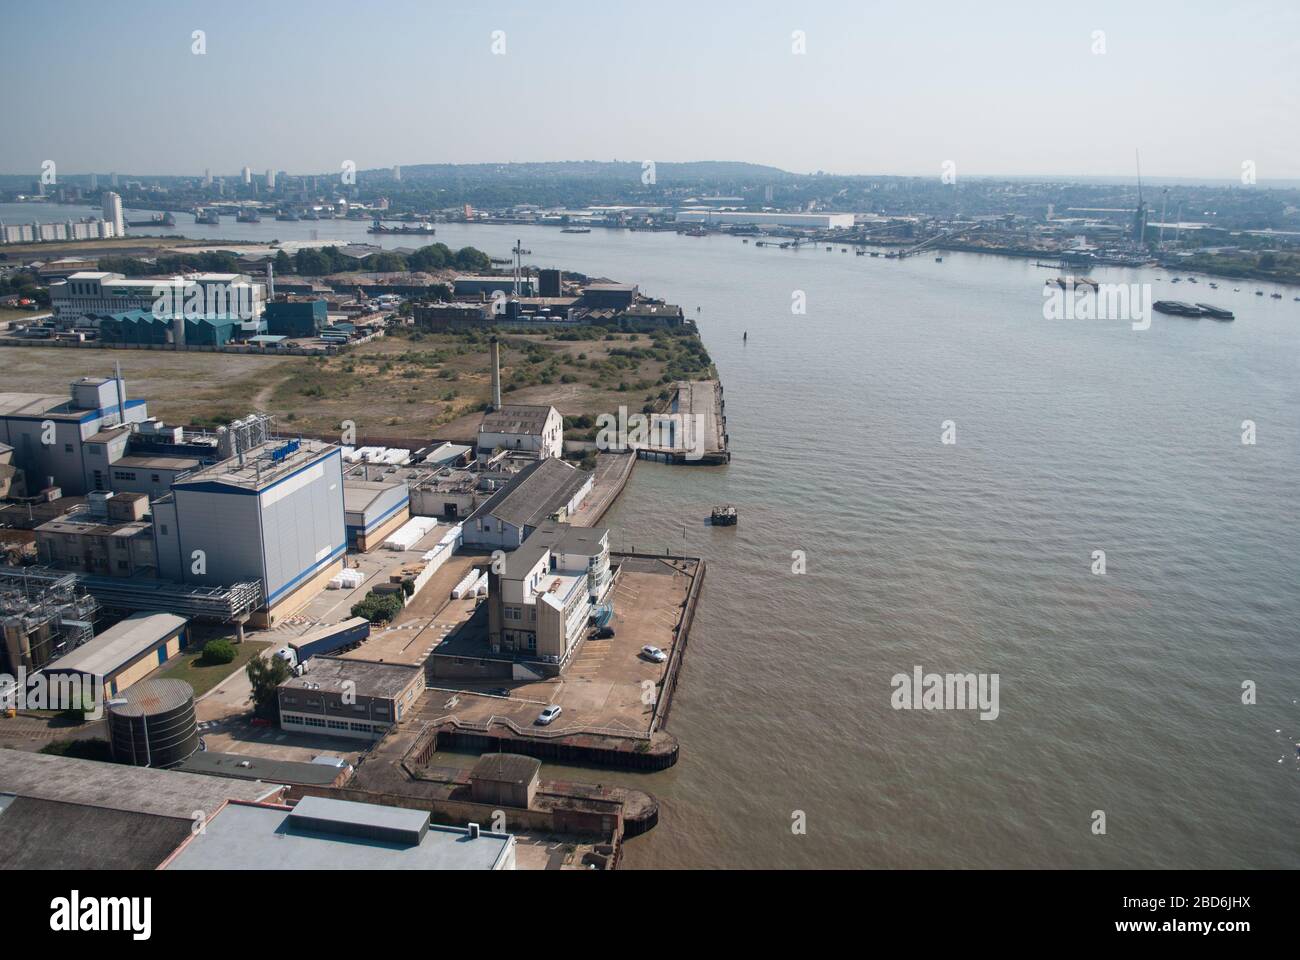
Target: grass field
(406,384)
(189,666)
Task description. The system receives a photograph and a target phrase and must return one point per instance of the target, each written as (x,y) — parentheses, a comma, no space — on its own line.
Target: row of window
(323,724)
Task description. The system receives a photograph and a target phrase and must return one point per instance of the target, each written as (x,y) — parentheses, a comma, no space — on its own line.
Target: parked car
(499,692)
(550,713)
(653,653)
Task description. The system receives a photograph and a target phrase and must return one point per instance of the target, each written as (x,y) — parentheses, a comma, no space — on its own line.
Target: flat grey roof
(120,644)
(371,679)
(252,837)
(239,767)
(159,463)
(360,494)
(116,786)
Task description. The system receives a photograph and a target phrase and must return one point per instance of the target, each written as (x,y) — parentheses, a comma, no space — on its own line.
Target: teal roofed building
(141,327)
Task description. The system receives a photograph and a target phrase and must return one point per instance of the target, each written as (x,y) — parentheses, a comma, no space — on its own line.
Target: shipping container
(328,639)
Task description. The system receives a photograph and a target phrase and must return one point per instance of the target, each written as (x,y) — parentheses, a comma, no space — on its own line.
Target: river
(1119,693)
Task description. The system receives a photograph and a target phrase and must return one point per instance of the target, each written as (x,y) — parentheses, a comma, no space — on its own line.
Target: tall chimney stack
(121,392)
(496,374)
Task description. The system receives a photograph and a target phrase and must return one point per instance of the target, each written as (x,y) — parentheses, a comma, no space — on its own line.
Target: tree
(219,651)
(266,674)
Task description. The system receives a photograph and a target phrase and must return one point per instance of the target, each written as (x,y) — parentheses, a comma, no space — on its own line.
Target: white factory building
(526,428)
(812,221)
(538,606)
(273,513)
(97,292)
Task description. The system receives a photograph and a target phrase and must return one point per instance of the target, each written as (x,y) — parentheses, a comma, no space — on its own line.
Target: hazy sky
(999,87)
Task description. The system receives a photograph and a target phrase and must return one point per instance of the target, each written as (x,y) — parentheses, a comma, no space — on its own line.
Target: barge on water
(1178,308)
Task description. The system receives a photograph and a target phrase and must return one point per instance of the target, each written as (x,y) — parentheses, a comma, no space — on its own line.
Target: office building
(343,697)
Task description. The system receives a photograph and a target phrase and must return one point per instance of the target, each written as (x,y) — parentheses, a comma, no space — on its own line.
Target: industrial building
(323,833)
(372,510)
(487,286)
(13,483)
(811,221)
(609,296)
(108,536)
(125,652)
(41,617)
(144,328)
(546,490)
(343,697)
(92,293)
(49,434)
(152,723)
(238,766)
(527,428)
(152,476)
(62,813)
(540,602)
(273,513)
(296,318)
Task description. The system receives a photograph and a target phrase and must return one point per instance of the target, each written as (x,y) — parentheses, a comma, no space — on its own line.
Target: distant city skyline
(1007,91)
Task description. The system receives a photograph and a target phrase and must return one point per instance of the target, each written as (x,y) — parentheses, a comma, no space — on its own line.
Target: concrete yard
(608,687)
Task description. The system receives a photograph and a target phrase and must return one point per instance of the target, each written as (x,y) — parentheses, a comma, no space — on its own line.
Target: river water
(1120,693)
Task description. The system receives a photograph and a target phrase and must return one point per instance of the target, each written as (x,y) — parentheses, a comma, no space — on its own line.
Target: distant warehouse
(296,318)
(127,652)
(478,286)
(813,221)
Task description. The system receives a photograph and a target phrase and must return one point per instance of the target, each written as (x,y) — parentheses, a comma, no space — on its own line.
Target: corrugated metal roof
(120,644)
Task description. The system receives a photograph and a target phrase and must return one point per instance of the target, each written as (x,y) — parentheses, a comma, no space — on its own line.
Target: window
(155,478)
(67,448)
(162,527)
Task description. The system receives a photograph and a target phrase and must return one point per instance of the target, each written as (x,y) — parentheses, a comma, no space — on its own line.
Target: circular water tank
(152,723)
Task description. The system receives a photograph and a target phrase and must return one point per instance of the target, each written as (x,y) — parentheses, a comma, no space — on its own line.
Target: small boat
(576,230)
(1259,293)
(1214,286)
(1276,296)
(724,516)
(938,259)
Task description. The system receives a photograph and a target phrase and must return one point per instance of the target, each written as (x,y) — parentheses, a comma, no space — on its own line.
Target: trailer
(325,640)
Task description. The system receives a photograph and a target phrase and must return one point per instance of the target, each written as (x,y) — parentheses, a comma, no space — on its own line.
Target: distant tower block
(496,374)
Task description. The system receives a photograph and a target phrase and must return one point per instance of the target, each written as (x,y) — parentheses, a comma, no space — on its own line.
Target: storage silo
(152,723)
